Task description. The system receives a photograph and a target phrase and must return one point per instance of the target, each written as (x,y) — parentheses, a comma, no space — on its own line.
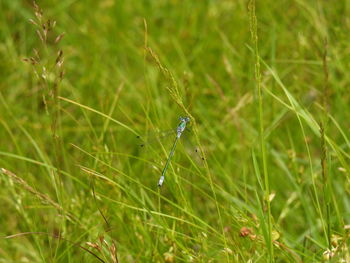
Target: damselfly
(180,129)
(178,132)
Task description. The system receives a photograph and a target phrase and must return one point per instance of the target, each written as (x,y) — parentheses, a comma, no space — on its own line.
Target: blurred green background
(74,95)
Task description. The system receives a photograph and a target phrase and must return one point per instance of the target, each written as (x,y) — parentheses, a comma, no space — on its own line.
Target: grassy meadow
(262,175)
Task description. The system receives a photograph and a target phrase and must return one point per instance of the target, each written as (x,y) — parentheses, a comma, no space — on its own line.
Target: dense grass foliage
(266,86)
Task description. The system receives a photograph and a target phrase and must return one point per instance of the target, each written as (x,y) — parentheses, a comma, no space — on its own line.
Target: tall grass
(265,85)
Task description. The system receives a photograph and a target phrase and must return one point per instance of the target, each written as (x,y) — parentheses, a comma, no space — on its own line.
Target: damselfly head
(185,119)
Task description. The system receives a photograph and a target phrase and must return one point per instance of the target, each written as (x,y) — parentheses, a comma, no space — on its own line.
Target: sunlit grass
(265,86)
